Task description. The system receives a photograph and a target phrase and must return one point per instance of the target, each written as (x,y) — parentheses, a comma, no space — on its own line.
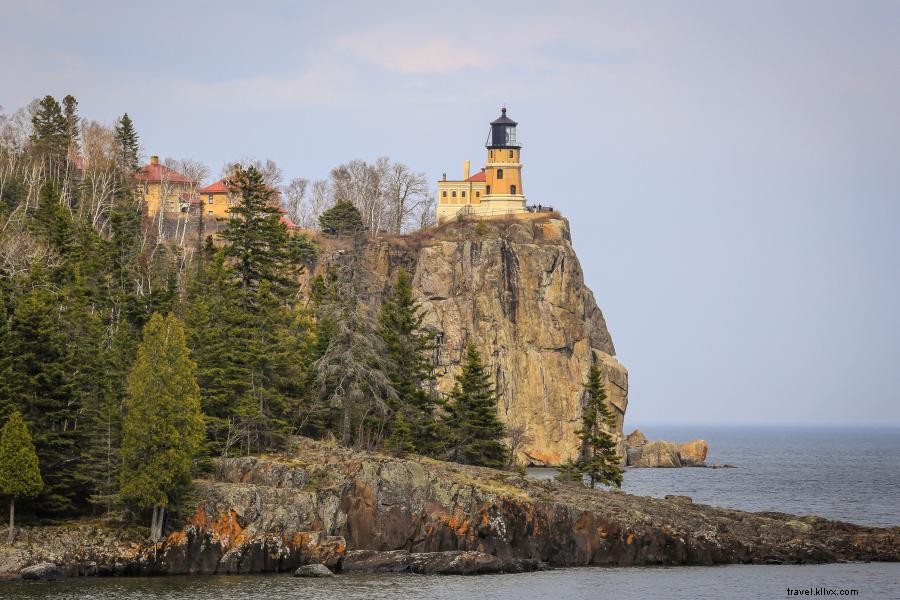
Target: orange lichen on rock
(227,529)
(630,539)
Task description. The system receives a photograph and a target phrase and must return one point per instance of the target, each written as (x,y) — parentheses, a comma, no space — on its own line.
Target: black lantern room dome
(503,132)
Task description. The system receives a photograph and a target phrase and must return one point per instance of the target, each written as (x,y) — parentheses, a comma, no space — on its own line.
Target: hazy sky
(731,170)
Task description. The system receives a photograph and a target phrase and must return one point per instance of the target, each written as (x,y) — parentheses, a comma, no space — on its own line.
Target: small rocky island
(357,511)
(639,452)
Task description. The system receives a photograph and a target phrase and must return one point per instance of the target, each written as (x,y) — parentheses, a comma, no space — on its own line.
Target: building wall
(219,206)
(162,195)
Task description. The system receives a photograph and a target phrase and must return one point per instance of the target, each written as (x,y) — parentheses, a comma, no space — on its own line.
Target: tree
(476,432)
(44,387)
(408,364)
(294,199)
(598,459)
(342,219)
(406,193)
(127,143)
(20,475)
(70,112)
(49,136)
(256,240)
(163,427)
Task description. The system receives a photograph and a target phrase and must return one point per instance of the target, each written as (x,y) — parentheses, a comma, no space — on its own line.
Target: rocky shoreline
(354,511)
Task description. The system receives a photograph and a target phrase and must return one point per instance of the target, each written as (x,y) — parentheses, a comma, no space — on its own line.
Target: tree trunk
(153,523)
(12,520)
(159,524)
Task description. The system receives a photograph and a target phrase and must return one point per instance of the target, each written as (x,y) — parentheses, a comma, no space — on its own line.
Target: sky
(731,171)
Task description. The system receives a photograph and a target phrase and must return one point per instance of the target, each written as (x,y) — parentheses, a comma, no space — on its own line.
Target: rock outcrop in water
(639,452)
(324,504)
(515,288)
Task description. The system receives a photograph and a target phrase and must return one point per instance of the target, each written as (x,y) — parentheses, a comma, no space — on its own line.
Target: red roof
(479,176)
(153,173)
(218,187)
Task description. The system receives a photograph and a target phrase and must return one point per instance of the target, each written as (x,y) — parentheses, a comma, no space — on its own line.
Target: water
(876,581)
(847,474)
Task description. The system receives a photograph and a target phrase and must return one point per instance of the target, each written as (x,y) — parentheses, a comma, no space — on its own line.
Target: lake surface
(877,581)
(847,474)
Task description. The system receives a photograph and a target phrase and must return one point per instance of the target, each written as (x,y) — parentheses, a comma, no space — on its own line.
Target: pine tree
(476,432)
(342,219)
(70,112)
(598,460)
(44,387)
(127,144)
(408,364)
(163,427)
(49,137)
(20,475)
(256,240)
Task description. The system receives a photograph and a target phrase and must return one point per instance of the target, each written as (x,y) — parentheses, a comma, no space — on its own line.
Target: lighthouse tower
(503,171)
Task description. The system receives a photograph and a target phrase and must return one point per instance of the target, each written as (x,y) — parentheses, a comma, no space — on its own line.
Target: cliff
(344,508)
(515,288)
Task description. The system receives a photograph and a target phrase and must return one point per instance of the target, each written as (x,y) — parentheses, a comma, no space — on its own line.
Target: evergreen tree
(163,427)
(43,385)
(255,238)
(408,365)
(598,460)
(20,475)
(70,112)
(49,137)
(342,219)
(127,144)
(476,432)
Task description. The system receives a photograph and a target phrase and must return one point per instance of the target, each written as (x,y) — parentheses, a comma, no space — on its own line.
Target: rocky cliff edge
(273,514)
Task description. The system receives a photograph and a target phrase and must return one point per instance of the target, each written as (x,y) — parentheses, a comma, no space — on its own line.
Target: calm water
(847,474)
(852,475)
(875,581)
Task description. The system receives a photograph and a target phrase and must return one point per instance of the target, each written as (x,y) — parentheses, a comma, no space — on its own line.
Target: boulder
(693,453)
(313,570)
(635,439)
(659,454)
(45,571)
(373,561)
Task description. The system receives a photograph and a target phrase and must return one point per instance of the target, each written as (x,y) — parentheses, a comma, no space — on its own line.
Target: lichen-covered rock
(398,509)
(516,289)
(313,570)
(693,453)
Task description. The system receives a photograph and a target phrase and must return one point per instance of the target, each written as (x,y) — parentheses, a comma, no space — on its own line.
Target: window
(488,190)
(478,194)
(209,212)
(492,155)
(210,200)
(499,173)
(512,189)
(463,193)
(453,194)
(510,153)
(444,193)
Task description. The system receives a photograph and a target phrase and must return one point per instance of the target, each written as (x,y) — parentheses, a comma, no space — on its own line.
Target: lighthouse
(495,190)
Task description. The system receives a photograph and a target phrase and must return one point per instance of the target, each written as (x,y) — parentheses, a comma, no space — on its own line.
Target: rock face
(323,504)
(516,289)
(693,453)
(641,453)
